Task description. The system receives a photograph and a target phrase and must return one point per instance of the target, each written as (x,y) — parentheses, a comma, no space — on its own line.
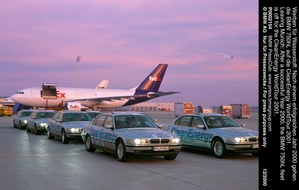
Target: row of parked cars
(127,133)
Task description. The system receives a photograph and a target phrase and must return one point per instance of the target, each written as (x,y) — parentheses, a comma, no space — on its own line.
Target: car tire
(36,132)
(14,124)
(88,144)
(27,129)
(218,148)
(121,153)
(170,157)
(64,138)
(49,134)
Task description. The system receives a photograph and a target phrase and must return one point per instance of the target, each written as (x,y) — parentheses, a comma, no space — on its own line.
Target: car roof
(26,110)
(43,110)
(124,113)
(204,114)
(70,111)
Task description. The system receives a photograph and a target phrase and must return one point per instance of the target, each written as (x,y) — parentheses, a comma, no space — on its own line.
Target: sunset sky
(123,41)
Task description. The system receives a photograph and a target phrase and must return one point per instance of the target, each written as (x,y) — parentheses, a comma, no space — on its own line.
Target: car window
(33,114)
(228,122)
(108,120)
(120,122)
(213,121)
(67,117)
(55,116)
(196,121)
(26,113)
(44,115)
(183,121)
(59,117)
(134,121)
(100,120)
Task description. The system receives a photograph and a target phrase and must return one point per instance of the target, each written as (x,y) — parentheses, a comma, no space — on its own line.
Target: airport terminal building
(153,106)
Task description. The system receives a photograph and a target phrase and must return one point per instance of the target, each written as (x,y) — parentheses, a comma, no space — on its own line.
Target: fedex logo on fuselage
(58,94)
(155,78)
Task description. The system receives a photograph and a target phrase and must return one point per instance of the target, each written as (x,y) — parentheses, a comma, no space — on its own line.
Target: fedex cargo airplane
(49,95)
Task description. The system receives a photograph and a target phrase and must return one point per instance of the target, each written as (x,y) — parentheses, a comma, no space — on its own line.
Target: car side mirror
(160,126)
(108,126)
(200,126)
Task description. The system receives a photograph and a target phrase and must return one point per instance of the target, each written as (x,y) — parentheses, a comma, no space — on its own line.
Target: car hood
(75,124)
(145,133)
(235,132)
(42,120)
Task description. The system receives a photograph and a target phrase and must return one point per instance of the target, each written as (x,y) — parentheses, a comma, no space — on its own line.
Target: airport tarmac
(33,162)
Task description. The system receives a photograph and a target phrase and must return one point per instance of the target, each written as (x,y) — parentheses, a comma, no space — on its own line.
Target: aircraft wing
(133,97)
(112,98)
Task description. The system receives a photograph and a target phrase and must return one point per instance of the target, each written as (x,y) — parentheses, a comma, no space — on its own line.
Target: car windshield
(133,121)
(67,117)
(44,115)
(220,122)
(26,113)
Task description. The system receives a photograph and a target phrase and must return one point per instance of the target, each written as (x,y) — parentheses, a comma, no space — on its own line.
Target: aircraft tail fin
(153,81)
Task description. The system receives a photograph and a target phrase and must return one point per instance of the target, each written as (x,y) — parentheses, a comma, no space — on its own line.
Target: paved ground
(30,162)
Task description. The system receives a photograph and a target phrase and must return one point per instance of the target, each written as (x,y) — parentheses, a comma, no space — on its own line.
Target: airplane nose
(13,97)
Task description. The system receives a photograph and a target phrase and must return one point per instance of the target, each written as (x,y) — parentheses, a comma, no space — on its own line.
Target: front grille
(159,141)
(253,139)
(164,141)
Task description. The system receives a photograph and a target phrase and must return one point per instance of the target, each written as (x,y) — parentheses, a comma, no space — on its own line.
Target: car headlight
(240,139)
(43,124)
(74,130)
(236,140)
(137,141)
(175,140)
(25,121)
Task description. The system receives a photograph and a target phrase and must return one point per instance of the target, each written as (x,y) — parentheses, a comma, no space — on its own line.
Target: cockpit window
(20,92)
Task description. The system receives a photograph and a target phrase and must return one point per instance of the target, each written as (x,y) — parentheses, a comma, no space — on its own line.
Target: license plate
(161,148)
(255,146)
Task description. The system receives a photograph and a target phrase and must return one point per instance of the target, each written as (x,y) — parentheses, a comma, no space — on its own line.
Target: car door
(102,135)
(109,133)
(31,120)
(187,128)
(201,134)
(182,129)
(17,120)
(56,124)
(96,131)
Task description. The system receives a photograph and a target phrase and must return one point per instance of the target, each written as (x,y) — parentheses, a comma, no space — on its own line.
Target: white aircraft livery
(52,96)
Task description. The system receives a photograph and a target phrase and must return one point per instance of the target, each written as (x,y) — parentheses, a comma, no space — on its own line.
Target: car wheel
(35,130)
(172,157)
(88,144)
(20,124)
(121,153)
(49,134)
(64,138)
(27,129)
(218,148)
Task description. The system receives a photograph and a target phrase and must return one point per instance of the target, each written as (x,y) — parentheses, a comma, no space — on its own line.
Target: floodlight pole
(77,60)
